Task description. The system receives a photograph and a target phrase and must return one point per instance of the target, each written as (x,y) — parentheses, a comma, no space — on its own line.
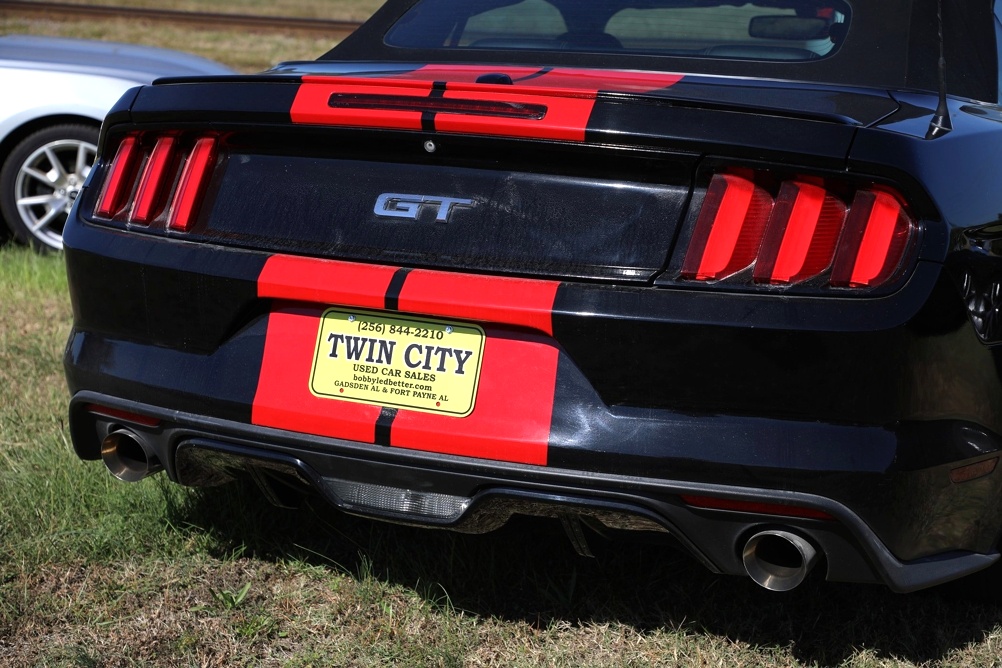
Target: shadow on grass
(528,572)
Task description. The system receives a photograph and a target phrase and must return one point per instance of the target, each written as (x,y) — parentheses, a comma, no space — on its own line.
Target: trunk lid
(553,172)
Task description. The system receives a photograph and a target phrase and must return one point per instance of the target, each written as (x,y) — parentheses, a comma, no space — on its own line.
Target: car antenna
(941,123)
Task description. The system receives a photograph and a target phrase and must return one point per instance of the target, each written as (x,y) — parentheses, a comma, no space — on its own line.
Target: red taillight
(193,180)
(802,234)
(876,237)
(157,180)
(118,183)
(805,232)
(152,184)
(729,229)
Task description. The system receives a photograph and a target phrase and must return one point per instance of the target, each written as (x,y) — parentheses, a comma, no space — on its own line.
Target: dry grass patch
(246,51)
(345,10)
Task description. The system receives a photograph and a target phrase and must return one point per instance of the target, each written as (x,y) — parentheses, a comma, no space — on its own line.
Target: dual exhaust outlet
(776,559)
(128,456)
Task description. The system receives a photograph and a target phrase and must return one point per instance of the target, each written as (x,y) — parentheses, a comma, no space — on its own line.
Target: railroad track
(204,19)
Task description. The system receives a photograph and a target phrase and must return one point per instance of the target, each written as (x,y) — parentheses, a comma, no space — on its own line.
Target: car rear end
(731,311)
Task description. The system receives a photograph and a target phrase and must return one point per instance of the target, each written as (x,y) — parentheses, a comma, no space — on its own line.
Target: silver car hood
(141,64)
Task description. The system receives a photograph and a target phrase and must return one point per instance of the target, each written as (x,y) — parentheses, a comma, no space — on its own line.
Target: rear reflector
(755,507)
(973,471)
(805,232)
(124,416)
(157,180)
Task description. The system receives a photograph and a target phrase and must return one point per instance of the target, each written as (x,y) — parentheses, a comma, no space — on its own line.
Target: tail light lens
(120,178)
(876,237)
(805,231)
(157,179)
(152,184)
(194,178)
(729,229)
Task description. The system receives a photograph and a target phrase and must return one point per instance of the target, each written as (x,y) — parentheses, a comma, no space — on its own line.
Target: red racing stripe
(565,118)
(511,420)
(514,404)
(523,302)
(283,399)
(312,103)
(324,281)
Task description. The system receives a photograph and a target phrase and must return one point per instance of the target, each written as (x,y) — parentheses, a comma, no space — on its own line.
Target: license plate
(398,361)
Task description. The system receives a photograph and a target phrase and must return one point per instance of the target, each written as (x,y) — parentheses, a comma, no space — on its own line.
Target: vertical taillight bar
(153,185)
(729,229)
(802,234)
(194,178)
(874,242)
(118,183)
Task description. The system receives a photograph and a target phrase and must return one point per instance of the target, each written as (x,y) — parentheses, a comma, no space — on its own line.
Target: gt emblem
(396,205)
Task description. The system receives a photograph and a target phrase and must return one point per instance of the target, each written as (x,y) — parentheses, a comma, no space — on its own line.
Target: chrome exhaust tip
(778,560)
(128,456)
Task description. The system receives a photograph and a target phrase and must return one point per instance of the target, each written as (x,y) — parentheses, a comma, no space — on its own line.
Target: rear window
(789,30)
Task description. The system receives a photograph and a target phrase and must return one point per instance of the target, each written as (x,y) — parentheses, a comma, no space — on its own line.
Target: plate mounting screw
(351,318)
(448,329)
(430,146)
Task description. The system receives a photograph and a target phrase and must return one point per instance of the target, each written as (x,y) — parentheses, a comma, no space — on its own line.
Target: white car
(55,93)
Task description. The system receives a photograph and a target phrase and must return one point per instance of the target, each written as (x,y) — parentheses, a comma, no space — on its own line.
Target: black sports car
(727,271)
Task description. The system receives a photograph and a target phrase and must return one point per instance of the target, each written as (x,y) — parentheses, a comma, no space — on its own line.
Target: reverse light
(805,231)
(157,179)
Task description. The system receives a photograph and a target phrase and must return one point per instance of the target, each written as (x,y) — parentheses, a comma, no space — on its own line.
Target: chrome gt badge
(397,205)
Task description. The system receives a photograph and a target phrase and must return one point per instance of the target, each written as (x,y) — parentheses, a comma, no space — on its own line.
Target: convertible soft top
(892,44)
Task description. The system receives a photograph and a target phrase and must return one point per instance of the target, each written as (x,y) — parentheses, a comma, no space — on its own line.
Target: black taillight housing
(755,229)
(156,179)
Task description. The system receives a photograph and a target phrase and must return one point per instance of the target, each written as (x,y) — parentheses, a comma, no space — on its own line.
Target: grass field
(94,572)
(245,50)
(326,9)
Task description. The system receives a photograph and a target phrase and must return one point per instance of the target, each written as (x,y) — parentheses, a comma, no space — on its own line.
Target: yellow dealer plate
(398,361)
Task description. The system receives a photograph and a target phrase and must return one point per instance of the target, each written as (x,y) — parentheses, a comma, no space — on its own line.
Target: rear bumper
(846,407)
(476,495)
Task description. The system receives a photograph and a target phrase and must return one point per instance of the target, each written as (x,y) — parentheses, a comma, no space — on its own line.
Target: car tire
(41,179)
